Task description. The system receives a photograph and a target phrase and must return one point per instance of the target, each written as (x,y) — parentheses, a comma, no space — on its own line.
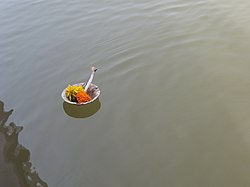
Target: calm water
(175,90)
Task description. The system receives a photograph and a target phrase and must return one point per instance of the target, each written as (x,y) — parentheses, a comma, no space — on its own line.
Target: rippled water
(175,90)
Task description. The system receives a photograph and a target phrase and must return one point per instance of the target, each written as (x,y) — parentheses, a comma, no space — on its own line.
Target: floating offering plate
(81,93)
(93,91)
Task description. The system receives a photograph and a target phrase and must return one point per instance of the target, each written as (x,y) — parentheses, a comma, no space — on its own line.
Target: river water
(175,90)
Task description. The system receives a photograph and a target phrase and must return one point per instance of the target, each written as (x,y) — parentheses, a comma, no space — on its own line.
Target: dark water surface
(175,90)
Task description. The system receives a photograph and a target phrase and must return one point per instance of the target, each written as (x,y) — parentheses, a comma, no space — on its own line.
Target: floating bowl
(93,91)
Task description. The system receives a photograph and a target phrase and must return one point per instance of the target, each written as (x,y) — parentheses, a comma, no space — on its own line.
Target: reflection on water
(82,111)
(175,90)
(16,168)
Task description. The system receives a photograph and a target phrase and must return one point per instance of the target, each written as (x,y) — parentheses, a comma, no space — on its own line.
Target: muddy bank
(16,168)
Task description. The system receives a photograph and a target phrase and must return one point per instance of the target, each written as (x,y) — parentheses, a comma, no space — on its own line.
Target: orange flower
(82,97)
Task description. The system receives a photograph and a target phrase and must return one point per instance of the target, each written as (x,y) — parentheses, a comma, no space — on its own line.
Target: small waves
(193,55)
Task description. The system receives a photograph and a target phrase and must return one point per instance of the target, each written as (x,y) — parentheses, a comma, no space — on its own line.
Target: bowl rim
(63,95)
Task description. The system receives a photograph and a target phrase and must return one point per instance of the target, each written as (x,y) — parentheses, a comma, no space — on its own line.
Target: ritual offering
(81,93)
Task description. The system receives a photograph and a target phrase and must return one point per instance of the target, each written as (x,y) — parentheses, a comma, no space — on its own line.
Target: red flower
(83,97)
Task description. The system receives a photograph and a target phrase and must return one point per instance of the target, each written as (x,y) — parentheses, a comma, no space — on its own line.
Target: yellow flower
(71,91)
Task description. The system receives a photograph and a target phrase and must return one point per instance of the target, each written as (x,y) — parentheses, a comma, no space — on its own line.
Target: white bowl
(93,92)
